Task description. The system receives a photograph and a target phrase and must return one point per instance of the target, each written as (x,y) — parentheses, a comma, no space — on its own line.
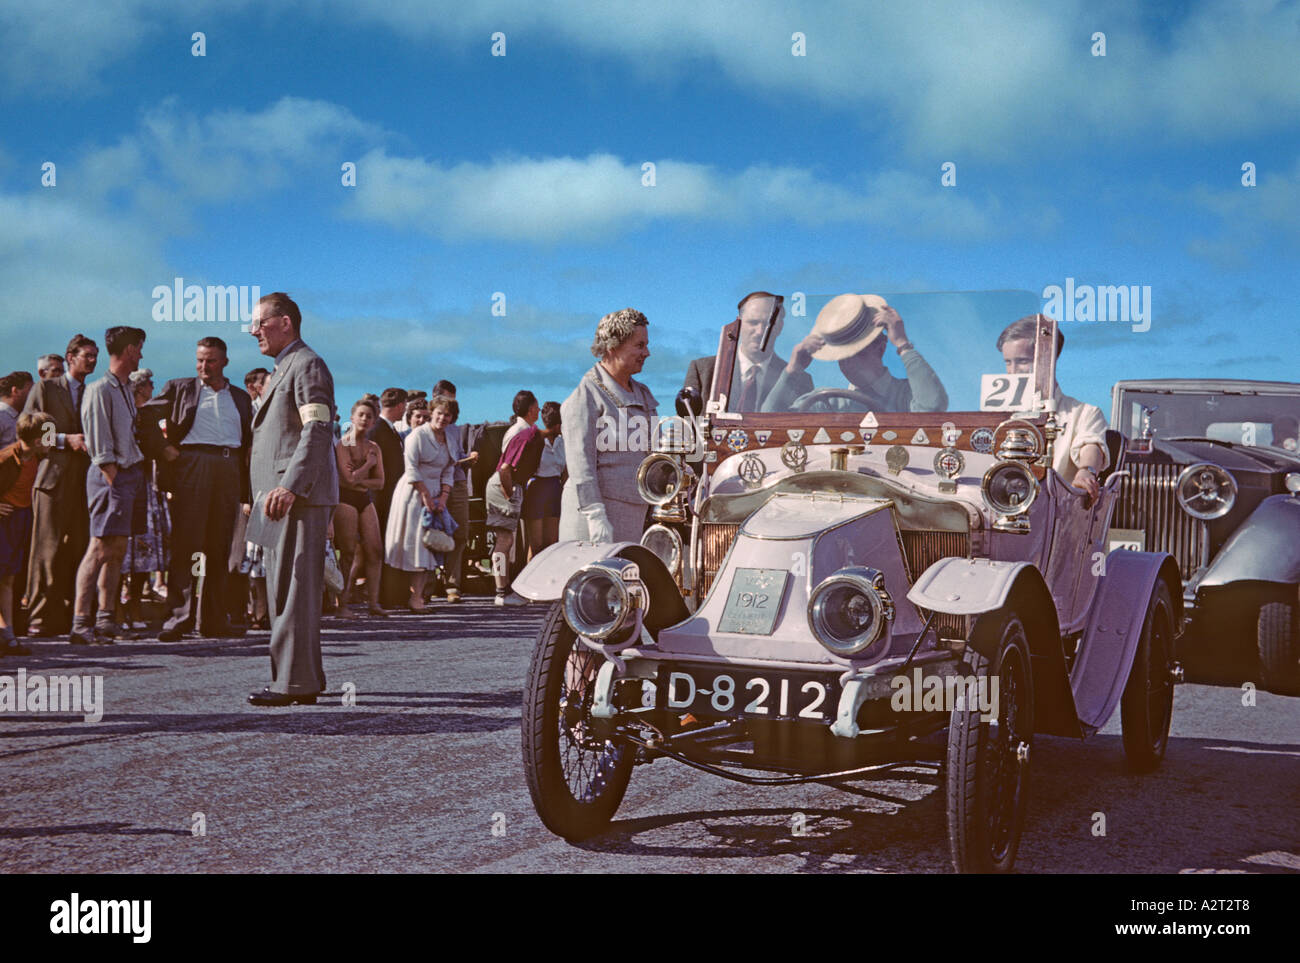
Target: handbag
(334,580)
(434,538)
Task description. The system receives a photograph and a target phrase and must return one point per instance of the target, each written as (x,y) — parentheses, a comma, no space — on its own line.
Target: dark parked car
(1213,478)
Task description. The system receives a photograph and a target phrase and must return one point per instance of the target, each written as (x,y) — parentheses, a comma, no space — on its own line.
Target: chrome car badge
(981,440)
(738,439)
(719,435)
(794,434)
(950,433)
(920,438)
(794,455)
(896,459)
(948,464)
(751,471)
(822,437)
(762,435)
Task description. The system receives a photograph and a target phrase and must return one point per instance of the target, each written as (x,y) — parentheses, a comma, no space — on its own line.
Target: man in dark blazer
(60,515)
(295,484)
(203,462)
(756,371)
(392,406)
(394,586)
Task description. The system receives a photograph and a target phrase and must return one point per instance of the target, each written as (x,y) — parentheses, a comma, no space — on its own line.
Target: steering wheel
(806,402)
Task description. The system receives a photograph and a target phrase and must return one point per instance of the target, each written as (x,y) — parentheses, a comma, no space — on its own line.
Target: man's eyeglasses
(256,323)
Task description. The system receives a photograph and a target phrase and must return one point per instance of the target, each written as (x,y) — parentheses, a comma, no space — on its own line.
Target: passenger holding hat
(848,330)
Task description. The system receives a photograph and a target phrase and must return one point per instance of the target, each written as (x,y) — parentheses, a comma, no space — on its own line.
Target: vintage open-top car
(823,591)
(1214,479)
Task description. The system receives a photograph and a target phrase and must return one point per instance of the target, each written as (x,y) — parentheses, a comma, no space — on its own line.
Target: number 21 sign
(1006,392)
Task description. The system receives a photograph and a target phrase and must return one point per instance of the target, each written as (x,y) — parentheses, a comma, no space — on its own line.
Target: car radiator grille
(1147,501)
(715,542)
(923,549)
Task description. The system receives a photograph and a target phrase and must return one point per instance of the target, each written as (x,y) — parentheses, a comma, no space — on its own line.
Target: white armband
(318,412)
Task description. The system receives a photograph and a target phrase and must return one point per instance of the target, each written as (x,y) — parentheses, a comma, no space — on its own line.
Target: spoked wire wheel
(576,776)
(988,760)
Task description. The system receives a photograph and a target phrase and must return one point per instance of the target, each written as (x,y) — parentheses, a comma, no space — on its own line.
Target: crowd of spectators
(118,498)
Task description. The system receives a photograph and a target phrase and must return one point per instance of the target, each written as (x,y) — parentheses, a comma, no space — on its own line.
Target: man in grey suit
(295,481)
(756,370)
(60,517)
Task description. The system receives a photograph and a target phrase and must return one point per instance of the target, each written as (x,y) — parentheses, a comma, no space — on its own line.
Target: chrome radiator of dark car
(1147,501)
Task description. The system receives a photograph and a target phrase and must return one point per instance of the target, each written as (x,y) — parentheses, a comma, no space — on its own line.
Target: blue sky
(522,174)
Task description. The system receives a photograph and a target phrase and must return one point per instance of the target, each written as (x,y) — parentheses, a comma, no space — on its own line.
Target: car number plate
(730,693)
(754,600)
(1134,539)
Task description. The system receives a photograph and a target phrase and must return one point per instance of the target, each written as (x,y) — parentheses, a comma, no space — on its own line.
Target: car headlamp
(666,544)
(1010,488)
(661,477)
(848,611)
(601,600)
(1206,491)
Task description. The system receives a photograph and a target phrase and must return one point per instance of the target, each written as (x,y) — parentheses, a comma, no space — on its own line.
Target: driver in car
(849,330)
(758,367)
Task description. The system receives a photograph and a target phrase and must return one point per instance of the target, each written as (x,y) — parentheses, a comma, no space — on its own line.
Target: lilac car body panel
(543,580)
(1114,630)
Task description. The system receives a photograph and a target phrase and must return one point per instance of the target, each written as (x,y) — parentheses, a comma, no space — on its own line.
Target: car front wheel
(1279,648)
(988,760)
(576,776)
(1147,705)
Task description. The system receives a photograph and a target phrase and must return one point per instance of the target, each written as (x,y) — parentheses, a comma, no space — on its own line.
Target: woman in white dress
(425,483)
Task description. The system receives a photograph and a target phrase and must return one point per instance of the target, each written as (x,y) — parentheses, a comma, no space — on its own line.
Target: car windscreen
(838,357)
(1240,418)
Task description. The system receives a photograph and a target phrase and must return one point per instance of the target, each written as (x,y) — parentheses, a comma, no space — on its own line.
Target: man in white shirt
(204,464)
(1080,452)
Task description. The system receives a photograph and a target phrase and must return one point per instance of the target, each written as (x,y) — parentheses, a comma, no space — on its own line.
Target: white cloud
(565,198)
(987,79)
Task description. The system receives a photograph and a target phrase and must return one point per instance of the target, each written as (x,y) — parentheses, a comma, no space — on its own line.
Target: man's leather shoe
(268,698)
(80,638)
(15,648)
(170,635)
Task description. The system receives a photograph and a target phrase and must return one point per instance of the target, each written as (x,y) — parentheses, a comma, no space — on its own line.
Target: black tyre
(988,762)
(1147,705)
(1279,648)
(576,779)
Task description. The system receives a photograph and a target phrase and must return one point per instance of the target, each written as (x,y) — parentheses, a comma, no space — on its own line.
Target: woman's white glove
(598,527)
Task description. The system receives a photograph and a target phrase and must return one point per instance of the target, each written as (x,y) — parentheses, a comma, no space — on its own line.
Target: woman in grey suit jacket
(608,423)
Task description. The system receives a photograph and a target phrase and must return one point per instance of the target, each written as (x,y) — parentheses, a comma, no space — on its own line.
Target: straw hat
(848,323)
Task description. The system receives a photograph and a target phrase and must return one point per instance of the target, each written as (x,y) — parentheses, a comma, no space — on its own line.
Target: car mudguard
(965,586)
(544,578)
(1114,629)
(975,586)
(1264,548)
